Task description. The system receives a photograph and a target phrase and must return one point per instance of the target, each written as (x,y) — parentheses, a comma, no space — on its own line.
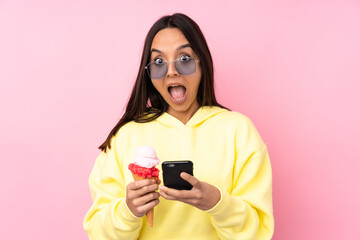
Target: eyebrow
(179,48)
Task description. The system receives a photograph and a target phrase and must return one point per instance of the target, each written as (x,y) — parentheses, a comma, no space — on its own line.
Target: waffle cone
(150,213)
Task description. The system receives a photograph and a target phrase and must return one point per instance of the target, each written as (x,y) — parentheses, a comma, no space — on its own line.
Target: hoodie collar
(201,115)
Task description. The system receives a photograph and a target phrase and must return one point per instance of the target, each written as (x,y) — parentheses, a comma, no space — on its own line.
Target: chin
(184,107)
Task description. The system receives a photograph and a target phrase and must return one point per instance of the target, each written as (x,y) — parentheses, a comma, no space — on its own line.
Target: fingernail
(161,188)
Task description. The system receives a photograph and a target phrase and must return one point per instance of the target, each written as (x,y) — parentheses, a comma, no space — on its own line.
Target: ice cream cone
(150,213)
(144,167)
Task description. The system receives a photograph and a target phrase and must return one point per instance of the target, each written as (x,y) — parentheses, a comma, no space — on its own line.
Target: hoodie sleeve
(109,217)
(246,211)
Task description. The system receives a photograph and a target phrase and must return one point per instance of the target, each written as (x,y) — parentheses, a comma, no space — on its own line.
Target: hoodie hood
(202,114)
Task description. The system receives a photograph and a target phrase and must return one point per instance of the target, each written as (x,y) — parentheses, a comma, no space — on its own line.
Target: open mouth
(177,92)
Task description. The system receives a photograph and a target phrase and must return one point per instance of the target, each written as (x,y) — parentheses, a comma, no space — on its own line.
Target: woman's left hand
(203,195)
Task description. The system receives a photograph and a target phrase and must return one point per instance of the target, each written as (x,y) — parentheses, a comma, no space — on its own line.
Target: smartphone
(171,174)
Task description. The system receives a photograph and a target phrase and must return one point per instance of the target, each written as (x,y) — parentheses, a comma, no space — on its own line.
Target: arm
(245,212)
(109,216)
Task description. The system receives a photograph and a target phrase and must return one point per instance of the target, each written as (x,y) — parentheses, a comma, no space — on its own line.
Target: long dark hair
(145,103)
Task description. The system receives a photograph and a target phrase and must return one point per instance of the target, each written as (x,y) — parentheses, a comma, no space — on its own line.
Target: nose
(171,72)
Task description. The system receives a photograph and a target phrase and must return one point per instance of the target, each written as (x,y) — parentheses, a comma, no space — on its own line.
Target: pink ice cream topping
(146,157)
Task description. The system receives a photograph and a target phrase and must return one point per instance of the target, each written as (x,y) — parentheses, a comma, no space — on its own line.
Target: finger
(190,201)
(158,181)
(177,194)
(166,196)
(189,178)
(145,208)
(133,194)
(146,198)
(145,190)
(140,184)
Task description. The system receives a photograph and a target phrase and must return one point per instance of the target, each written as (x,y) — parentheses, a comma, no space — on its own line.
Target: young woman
(173,109)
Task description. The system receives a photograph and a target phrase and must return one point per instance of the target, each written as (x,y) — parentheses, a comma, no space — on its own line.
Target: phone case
(171,174)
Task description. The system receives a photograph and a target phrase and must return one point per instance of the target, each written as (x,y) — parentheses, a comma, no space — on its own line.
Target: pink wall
(66,70)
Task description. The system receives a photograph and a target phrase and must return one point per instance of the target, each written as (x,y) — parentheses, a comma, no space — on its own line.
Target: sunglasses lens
(185,67)
(157,70)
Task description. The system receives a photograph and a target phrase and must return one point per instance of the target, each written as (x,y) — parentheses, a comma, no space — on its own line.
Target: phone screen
(171,174)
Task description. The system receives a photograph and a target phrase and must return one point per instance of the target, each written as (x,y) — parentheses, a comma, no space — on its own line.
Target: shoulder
(121,139)
(128,128)
(245,130)
(235,119)
(240,125)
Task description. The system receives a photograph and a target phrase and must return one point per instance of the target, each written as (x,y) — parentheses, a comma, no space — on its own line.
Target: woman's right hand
(141,196)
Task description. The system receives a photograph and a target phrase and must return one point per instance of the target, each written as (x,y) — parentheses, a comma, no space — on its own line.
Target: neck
(184,116)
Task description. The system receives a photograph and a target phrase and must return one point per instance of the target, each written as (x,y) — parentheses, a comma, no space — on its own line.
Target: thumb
(190,179)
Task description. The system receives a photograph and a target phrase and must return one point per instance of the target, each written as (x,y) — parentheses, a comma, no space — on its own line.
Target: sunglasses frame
(148,69)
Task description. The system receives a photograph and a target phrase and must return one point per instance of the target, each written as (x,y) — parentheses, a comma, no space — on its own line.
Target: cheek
(195,83)
(198,77)
(158,87)
(155,84)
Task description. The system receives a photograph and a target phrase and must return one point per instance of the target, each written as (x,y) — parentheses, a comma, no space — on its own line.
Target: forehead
(168,39)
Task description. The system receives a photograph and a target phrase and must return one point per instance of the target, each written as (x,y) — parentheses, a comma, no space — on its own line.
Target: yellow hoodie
(227,152)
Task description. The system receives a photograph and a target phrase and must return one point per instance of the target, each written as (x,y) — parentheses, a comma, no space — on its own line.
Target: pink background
(67,68)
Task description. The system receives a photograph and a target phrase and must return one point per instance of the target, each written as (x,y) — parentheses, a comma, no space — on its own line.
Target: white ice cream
(146,157)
